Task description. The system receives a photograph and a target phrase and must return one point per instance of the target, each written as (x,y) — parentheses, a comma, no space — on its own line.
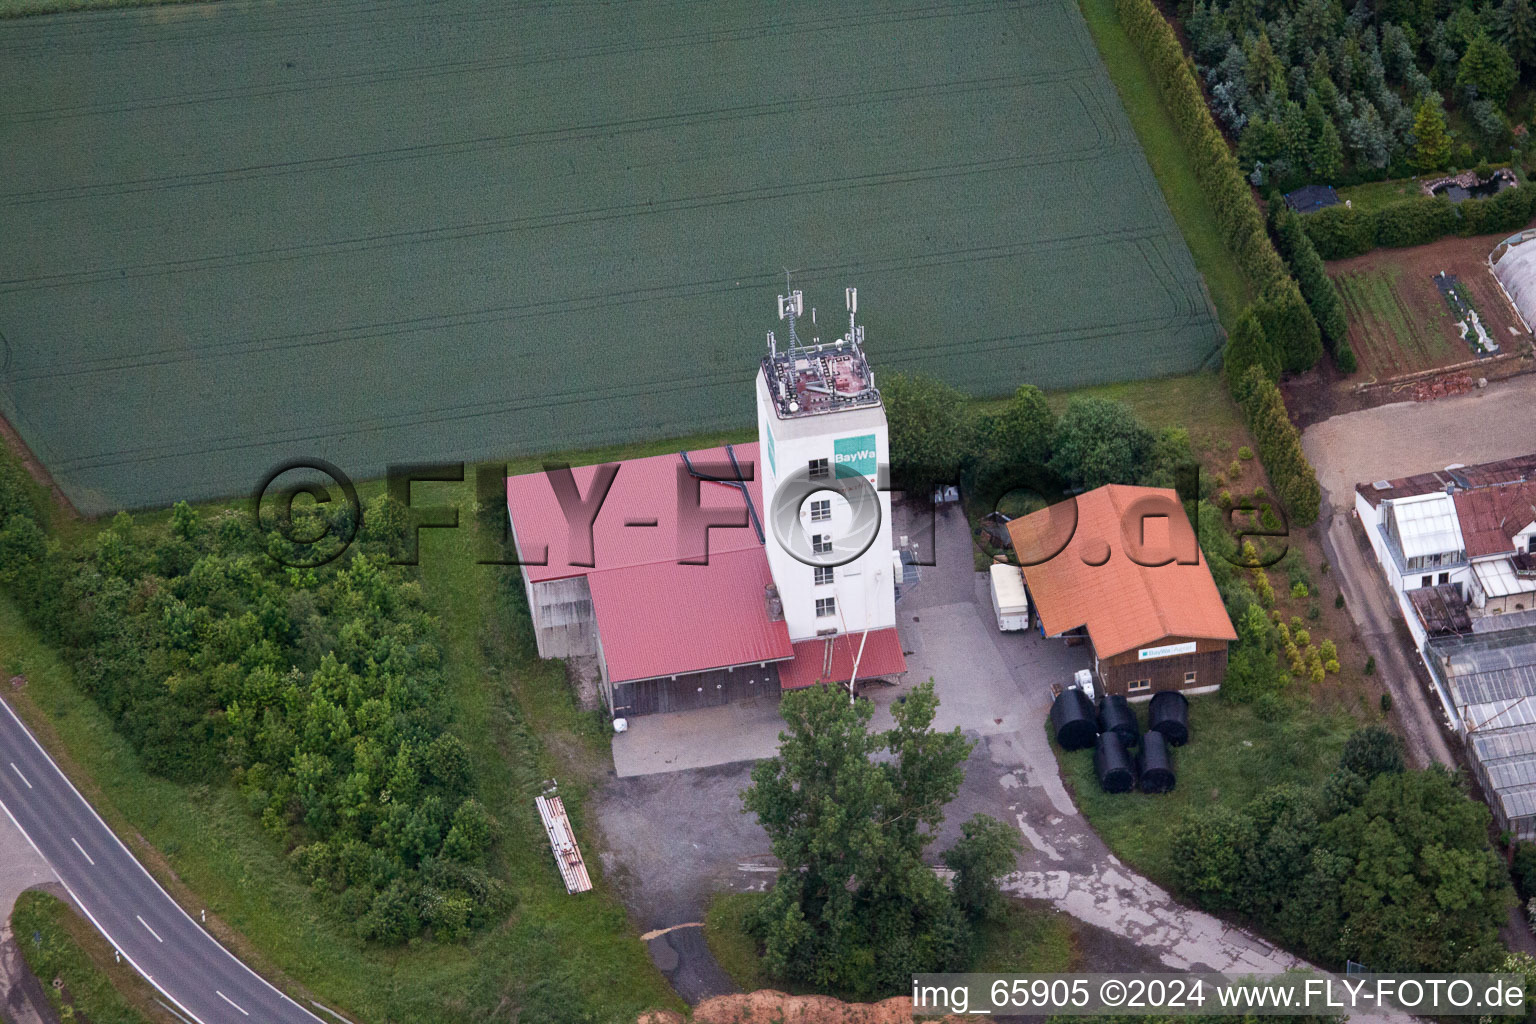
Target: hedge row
(1221,180)
(1279,445)
(1278,326)
(1340,231)
(1321,295)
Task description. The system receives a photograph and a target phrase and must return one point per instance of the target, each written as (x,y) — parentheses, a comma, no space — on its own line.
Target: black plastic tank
(1072,720)
(1117,715)
(1113,765)
(1169,715)
(1154,764)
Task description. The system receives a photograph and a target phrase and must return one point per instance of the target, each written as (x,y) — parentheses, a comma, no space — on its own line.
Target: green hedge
(1216,169)
(1317,288)
(1279,444)
(1340,232)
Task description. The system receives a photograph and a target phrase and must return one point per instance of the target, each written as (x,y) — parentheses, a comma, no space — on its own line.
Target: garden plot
(1413,309)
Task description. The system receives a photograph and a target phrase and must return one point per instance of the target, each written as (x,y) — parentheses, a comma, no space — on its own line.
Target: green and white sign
(854,456)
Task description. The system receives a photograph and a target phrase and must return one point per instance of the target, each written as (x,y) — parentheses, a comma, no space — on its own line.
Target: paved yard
(671,840)
(1404,438)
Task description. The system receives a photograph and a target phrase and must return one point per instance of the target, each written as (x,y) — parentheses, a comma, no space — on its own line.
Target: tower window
(821,511)
(819,469)
(826,606)
(823,575)
(821,544)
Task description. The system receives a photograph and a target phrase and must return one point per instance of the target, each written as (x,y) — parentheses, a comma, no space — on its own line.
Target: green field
(389,232)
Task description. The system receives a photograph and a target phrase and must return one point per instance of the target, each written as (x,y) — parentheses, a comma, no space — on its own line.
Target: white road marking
(82,850)
(20,776)
(151,930)
(230,1001)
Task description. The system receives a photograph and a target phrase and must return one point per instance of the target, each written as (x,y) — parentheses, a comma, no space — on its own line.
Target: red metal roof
(666,619)
(656,615)
(644,490)
(1092,582)
(830,659)
(1491,516)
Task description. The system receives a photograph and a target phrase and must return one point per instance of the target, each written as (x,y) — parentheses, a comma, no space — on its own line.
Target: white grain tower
(820,420)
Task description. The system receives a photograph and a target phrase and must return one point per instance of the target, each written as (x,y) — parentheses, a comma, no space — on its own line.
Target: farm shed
(1122,564)
(1009,599)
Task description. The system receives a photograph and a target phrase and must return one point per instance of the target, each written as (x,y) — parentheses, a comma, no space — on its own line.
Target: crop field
(1399,323)
(381,231)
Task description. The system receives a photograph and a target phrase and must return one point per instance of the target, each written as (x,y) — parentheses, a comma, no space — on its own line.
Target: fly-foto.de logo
(854,456)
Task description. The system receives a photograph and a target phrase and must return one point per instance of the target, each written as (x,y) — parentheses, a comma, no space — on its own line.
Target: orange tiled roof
(1092,582)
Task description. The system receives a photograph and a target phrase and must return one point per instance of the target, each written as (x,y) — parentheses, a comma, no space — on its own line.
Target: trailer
(1009,599)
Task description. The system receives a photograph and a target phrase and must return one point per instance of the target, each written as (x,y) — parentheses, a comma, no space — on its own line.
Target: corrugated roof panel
(831,659)
(643,491)
(666,619)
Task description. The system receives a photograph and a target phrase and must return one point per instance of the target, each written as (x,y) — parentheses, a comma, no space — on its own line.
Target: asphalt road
(151,931)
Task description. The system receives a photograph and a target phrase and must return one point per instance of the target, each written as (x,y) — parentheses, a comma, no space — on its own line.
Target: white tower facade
(822,446)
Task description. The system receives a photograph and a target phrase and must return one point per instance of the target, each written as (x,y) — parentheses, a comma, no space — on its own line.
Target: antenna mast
(791,306)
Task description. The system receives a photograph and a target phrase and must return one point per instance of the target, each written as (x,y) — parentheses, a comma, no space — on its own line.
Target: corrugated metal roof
(1123,604)
(644,490)
(830,659)
(666,619)
(1492,516)
(1481,475)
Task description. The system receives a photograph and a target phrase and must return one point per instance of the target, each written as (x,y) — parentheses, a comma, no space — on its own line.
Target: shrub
(1386,703)
(1298,590)
(1245,453)
(1370,665)
(1338,600)
(1317,288)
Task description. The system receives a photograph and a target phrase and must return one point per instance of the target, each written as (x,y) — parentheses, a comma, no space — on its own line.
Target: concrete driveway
(672,840)
(21,868)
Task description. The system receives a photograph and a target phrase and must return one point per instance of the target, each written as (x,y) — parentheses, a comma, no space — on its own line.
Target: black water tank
(1072,720)
(1112,764)
(1116,714)
(1169,715)
(1154,765)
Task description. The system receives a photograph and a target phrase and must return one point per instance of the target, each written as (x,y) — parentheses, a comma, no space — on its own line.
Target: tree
(1372,751)
(1247,346)
(1431,142)
(1209,851)
(1099,442)
(930,434)
(1327,152)
(1298,138)
(984,853)
(848,814)
(1421,890)
(1486,70)
(1017,439)
(1516,22)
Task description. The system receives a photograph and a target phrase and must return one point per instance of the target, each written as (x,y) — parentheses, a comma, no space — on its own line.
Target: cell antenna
(790,307)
